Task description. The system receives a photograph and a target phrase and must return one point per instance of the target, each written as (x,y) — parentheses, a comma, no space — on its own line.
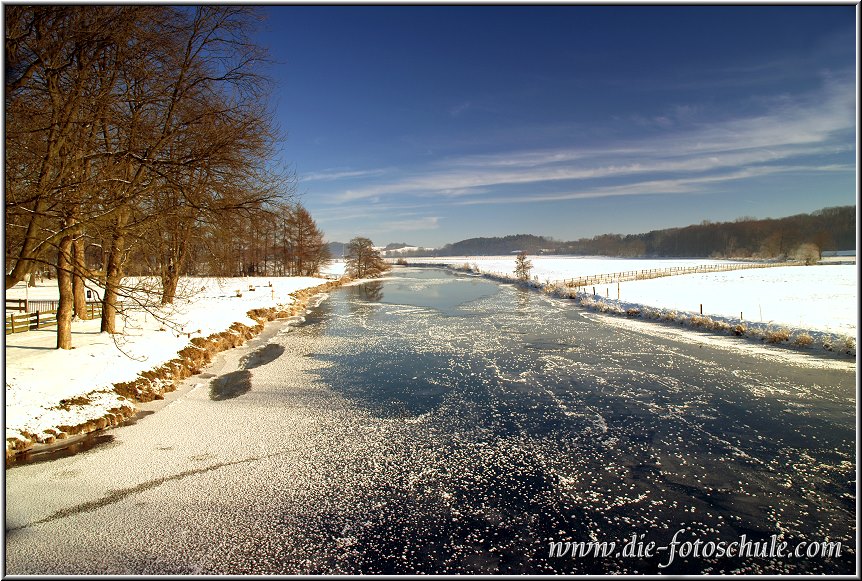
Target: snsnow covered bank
(815,298)
(811,308)
(555,268)
(52,394)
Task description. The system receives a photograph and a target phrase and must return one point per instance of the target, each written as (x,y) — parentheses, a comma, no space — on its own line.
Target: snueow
(154,383)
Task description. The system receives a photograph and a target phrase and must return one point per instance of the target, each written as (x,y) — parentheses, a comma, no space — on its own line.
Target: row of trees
(746,237)
(827,229)
(138,141)
(278,240)
(495,245)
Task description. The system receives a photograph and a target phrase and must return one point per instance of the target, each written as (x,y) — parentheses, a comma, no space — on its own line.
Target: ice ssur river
(441,423)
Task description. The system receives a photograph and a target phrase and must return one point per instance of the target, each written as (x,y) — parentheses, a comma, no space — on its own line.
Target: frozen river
(441,423)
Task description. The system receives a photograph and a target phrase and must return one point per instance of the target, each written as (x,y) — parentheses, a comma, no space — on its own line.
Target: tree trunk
(170,280)
(24,262)
(171,274)
(114,275)
(78,288)
(65,306)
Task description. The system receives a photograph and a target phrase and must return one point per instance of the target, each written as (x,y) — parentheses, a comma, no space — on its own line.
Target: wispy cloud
(777,141)
(336,174)
(459,109)
(639,188)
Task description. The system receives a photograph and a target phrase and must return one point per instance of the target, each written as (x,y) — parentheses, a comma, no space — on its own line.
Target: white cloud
(775,142)
(687,185)
(334,174)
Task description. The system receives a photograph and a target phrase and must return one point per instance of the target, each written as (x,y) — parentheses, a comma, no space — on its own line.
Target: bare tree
(363,260)
(522,266)
(123,121)
(64,58)
(808,253)
(305,251)
(59,58)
